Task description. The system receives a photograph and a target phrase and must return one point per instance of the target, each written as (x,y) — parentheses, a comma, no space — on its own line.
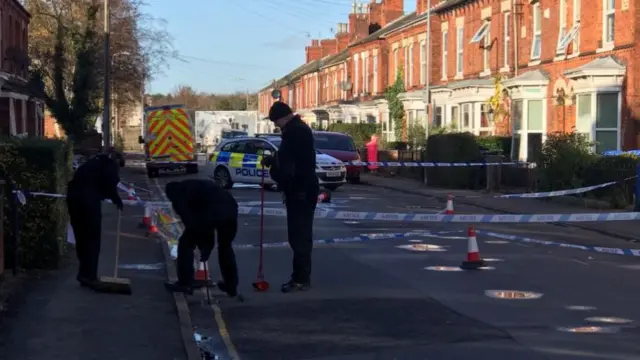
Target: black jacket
(201,204)
(95,180)
(295,168)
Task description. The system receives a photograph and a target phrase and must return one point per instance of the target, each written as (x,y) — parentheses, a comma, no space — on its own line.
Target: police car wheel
(223,178)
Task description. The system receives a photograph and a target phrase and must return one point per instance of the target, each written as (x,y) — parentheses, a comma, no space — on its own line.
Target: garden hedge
(361,133)
(454,148)
(43,165)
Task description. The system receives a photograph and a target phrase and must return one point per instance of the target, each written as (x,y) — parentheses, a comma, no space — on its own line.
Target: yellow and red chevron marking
(172,134)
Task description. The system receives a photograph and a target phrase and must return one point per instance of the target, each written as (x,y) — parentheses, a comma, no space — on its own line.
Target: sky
(241,45)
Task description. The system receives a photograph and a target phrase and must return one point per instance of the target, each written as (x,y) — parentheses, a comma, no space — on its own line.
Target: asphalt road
(376,299)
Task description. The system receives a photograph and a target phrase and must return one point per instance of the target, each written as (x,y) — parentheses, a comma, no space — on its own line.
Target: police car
(238,161)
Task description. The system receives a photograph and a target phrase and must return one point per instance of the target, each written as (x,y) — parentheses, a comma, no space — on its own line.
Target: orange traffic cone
(153,229)
(449,208)
(146,218)
(474,261)
(130,193)
(201,278)
(324,197)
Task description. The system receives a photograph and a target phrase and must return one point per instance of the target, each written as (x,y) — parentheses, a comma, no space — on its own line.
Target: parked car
(229,167)
(342,147)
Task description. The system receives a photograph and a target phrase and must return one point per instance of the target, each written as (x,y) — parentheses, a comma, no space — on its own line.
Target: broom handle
(115,267)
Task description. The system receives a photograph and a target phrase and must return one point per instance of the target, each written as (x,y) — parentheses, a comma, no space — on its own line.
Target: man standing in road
(294,170)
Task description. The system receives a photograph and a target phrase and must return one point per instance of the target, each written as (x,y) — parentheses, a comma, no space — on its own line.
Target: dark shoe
(293,286)
(86,282)
(226,289)
(177,287)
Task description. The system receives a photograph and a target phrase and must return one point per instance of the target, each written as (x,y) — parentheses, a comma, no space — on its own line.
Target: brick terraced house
(497,67)
(21,103)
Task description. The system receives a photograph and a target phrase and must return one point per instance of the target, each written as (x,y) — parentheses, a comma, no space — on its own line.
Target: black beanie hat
(279,110)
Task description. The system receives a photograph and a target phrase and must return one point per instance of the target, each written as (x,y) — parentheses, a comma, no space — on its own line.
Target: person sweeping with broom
(95,180)
(205,209)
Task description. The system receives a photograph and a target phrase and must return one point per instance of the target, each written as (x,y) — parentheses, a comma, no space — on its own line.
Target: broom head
(114,285)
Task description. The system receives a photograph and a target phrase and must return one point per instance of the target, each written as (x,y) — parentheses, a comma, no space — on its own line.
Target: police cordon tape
(548,194)
(466,218)
(597,249)
(407,217)
(410,163)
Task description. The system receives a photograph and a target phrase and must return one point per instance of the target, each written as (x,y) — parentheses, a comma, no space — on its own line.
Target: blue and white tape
(469,219)
(561,192)
(413,163)
(597,249)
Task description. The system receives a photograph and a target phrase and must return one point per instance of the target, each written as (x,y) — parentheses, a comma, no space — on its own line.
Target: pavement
(405,298)
(54,318)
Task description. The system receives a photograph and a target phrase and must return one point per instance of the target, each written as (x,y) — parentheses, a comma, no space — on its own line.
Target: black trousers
(300,214)
(190,239)
(86,221)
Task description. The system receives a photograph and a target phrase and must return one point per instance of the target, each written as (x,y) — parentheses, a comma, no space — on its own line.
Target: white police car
(238,161)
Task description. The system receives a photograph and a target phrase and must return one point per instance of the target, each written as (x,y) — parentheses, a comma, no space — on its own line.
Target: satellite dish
(345,85)
(276,94)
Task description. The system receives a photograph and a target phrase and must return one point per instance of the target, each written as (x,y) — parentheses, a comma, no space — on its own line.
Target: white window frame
(459,51)
(481,33)
(486,50)
(463,107)
(608,13)
(484,108)
(356,78)
(523,132)
(567,39)
(562,29)
(536,34)
(395,64)
(423,62)
(507,37)
(577,9)
(334,92)
(445,53)
(375,74)
(410,65)
(406,66)
(366,74)
(592,130)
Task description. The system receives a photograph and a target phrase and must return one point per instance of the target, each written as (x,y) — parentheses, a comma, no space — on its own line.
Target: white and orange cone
(146,218)
(449,209)
(131,193)
(201,277)
(153,229)
(473,261)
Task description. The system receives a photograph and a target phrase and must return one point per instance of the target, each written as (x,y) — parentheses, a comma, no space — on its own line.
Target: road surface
(400,298)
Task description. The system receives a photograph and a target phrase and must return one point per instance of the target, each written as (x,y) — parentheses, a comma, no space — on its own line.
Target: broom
(116,285)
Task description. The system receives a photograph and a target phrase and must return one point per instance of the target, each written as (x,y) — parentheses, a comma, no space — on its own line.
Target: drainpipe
(427,87)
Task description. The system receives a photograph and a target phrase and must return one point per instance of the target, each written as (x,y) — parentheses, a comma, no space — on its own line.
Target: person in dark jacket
(95,180)
(205,209)
(293,168)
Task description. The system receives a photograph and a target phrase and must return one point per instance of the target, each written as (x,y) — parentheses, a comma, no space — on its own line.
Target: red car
(341,147)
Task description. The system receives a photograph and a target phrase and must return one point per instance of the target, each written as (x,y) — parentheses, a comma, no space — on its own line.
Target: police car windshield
(231,134)
(277,142)
(334,142)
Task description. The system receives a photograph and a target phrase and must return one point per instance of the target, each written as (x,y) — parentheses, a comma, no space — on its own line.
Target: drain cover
(581,308)
(443,268)
(591,329)
(512,294)
(609,320)
(422,247)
